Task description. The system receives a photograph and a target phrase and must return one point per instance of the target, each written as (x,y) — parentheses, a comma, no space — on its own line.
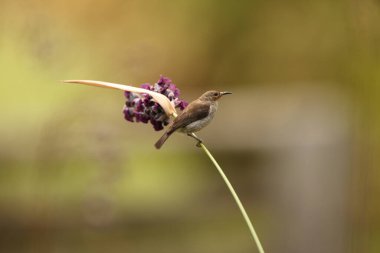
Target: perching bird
(196,116)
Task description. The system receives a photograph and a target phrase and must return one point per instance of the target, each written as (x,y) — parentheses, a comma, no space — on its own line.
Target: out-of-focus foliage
(299,138)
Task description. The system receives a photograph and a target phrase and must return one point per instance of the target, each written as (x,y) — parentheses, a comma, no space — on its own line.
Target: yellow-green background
(299,138)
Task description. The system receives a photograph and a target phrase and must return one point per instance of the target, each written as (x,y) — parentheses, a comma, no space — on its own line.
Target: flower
(143,108)
(162,100)
(150,103)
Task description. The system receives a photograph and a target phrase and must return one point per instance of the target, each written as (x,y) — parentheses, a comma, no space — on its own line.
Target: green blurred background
(299,138)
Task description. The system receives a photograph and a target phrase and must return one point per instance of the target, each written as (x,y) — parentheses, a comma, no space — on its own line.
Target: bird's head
(213,95)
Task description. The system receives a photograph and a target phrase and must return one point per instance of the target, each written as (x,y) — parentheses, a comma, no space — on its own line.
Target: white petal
(162,100)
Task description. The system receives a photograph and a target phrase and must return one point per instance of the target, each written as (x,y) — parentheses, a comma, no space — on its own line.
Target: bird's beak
(225,93)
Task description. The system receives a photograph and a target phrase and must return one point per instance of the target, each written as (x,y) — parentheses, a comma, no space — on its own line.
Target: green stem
(236,197)
(238,202)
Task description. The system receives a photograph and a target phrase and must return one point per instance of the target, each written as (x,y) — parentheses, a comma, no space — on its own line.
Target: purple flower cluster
(142,108)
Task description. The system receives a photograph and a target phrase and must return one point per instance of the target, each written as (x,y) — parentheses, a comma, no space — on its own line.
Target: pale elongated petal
(162,100)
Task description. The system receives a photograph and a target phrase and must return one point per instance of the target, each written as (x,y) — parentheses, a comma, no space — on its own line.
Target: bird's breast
(201,123)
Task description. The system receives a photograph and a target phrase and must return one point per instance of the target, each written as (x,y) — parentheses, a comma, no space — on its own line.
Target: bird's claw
(196,138)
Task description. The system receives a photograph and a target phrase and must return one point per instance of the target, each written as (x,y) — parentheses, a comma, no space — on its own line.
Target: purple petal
(156,107)
(175,90)
(170,94)
(139,105)
(164,80)
(145,118)
(156,125)
(146,86)
(128,114)
(157,88)
(182,104)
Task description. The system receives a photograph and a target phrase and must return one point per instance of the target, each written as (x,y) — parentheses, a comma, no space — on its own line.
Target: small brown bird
(196,116)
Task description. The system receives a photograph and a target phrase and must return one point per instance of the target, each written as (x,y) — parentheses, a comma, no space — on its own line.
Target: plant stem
(238,202)
(234,194)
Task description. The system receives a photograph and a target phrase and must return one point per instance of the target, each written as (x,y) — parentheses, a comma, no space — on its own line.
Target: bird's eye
(216,94)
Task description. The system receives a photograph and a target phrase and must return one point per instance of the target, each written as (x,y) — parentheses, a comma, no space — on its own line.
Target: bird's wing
(193,112)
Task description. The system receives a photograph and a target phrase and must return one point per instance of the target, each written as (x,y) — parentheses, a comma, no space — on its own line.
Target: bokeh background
(299,137)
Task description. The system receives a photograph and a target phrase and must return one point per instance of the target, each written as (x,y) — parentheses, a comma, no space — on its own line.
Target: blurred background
(299,137)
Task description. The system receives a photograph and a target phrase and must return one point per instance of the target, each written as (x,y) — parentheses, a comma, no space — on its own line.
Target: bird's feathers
(162,140)
(193,112)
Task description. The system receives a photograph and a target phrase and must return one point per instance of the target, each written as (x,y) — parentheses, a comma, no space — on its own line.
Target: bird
(194,117)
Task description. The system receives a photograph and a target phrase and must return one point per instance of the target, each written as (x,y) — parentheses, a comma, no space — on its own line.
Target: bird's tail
(162,140)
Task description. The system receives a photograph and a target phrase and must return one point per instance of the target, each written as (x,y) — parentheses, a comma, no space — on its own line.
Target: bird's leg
(195,137)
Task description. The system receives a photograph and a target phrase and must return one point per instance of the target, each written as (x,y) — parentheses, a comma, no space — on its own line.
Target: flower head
(143,108)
